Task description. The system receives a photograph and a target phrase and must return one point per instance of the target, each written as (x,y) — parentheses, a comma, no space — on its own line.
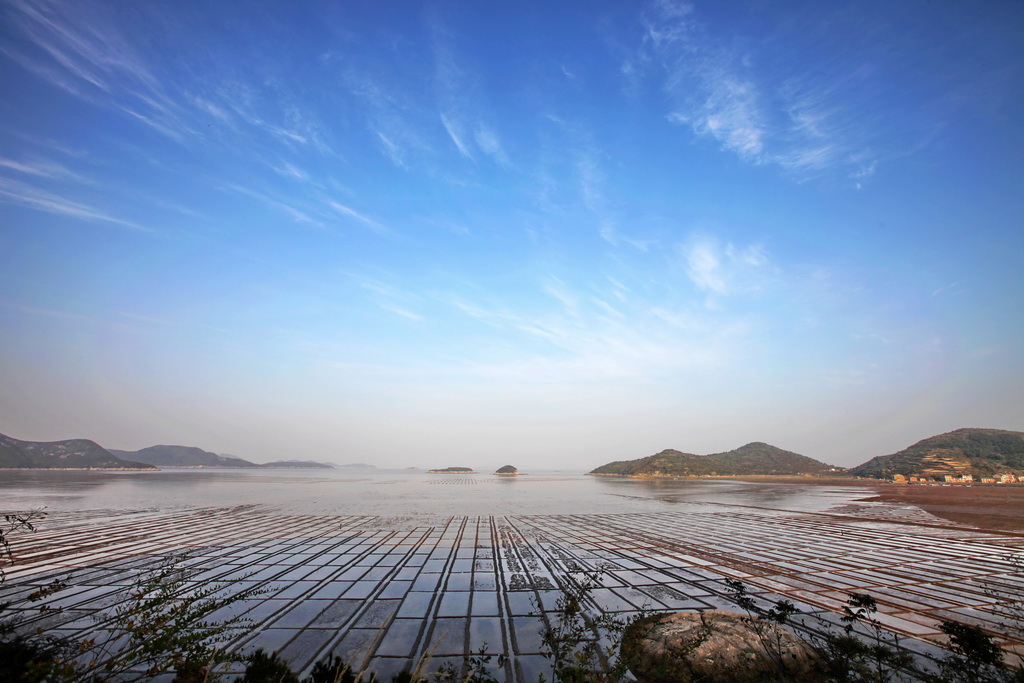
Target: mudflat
(992,507)
(995,507)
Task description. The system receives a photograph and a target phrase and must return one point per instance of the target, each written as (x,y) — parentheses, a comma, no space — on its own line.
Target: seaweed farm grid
(384,592)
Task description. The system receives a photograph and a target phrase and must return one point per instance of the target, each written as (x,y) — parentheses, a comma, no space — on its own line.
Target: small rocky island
(454,470)
(507,471)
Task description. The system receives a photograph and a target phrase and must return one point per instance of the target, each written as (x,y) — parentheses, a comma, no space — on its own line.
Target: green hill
(979,452)
(754,458)
(70,454)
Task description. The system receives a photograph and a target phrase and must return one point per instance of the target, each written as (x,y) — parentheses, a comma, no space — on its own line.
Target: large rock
(715,647)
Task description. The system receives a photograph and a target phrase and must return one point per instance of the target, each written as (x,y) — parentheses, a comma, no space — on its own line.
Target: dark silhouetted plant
(974,656)
(264,667)
(580,640)
(165,626)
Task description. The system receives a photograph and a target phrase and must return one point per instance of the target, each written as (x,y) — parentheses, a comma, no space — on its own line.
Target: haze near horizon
(552,235)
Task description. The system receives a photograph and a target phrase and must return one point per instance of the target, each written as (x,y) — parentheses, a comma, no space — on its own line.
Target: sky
(549,234)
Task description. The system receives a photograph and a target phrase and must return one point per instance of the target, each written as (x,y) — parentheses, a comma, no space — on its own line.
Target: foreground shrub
(262,667)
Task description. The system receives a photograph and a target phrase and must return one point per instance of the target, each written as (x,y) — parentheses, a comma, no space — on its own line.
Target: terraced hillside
(980,452)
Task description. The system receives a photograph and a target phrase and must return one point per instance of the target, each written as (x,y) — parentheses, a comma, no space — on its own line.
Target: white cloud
(287,169)
(704,268)
(607,233)
(722,270)
(459,98)
(45,169)
(489,143)
(32,197)
(752,255)
(389,297)
(300,215)
(721,90)
(86,49)
(599,331)
(729,112)
(456,136)
(352,213)
(404,313)
(393,150)
(557,289)
(211,108)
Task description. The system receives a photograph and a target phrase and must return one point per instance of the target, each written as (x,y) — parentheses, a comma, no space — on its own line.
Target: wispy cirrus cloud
(312,208)
(32,197)
(42,168)
(625,326)
(730,112)
(458,101)
(84,49)
(574,153)
(723,269)
(489,143)
(719,88)
(402,312)
(300,214)
(457,134)
(93,53)
(388,296)
(588,340)
(392,113)
(357,216)
(394,150)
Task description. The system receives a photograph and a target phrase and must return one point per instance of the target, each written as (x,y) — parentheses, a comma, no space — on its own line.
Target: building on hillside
(1007,479)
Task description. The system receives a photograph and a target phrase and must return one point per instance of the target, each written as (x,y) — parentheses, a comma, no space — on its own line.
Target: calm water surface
(390,493)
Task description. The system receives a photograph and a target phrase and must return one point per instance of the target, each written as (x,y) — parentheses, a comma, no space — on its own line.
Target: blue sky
(552,234)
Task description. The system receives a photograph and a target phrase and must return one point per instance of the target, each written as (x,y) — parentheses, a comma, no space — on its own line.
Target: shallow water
(386,492)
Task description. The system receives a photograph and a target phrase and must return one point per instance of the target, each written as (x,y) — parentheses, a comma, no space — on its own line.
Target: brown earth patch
(991,507)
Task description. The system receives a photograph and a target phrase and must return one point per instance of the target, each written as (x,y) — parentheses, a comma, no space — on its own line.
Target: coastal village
(1007,478)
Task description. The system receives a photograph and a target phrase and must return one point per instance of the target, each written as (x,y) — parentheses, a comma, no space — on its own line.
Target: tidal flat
(387,567)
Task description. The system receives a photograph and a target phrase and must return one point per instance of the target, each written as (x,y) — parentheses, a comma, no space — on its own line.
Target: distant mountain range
(85,454)
(182,456)
(754,458)
(70,454)
(298,464)
(978,452)
(190,456)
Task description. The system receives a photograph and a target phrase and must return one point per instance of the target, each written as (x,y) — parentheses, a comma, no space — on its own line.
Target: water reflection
(399,492)
(773,495)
